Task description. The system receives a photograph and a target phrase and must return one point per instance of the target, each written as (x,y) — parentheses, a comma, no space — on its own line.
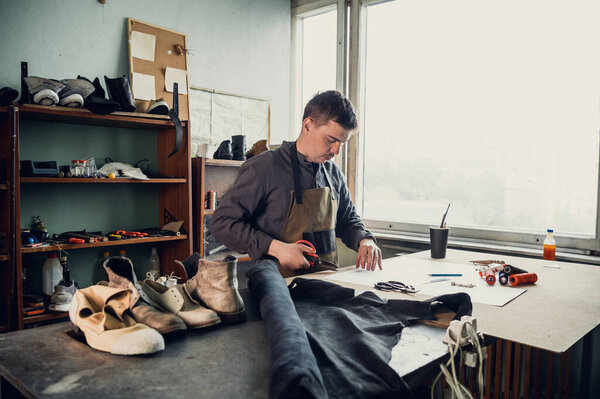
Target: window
(493,107)
(315,48)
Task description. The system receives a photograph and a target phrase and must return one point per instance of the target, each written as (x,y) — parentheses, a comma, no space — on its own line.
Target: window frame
(354,161)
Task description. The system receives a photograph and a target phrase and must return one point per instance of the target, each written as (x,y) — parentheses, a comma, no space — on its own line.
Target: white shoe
(62,296)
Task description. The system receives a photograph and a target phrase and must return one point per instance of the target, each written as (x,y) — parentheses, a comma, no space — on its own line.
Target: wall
(239,46)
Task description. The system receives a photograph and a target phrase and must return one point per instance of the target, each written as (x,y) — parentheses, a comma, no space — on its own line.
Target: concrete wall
(239,46)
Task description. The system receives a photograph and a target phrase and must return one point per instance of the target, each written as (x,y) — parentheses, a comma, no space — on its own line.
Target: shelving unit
(173,193)
(211,175)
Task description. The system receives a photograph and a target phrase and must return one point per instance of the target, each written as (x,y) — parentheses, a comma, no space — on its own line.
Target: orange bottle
(549,246)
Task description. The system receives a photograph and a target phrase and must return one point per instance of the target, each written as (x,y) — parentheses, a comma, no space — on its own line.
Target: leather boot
(224,151)
(121,275)
(97,102)
(120,91)
(257,148)
(238,145)
(214,283)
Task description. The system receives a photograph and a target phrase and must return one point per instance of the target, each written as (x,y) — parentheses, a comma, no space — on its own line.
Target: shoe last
(102,314)
(177,300)
(120,91)
(122,275)
(215,284)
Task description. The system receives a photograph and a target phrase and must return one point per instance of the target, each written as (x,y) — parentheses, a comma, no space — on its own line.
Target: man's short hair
(331,105)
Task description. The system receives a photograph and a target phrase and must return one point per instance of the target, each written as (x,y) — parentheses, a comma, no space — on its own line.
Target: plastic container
(79,168)
(549,246)
(51,273)
(154,262)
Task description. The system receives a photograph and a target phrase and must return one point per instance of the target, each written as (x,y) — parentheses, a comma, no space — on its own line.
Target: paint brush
(443,224)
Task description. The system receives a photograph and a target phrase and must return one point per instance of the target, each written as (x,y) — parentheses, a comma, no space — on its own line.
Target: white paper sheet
(142,45)
(143,86)
(415,272)
(179,76)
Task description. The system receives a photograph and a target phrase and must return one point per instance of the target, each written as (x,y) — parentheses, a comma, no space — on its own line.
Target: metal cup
(438,239)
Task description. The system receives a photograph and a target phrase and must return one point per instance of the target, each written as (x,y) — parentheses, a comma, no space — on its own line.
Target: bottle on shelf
(51,273)
(122,252)
(549,246)
(154,263)
(66,272)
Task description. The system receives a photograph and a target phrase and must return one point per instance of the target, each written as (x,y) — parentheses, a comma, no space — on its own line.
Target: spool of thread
(524,278)
(509,269)
(490,276)
(502,278)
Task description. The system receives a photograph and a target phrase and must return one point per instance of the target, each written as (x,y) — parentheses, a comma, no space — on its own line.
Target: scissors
(395,286)
(314,259)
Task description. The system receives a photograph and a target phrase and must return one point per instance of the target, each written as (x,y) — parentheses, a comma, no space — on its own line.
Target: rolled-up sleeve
(231,222)
(349,227)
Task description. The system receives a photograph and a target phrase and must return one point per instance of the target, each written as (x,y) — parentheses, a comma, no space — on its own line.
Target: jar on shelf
(79,168)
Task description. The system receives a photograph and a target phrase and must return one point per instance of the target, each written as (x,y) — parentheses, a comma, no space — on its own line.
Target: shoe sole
(234,317)
(206,324)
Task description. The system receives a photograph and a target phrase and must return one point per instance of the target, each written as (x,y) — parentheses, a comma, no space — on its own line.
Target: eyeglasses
(395,286)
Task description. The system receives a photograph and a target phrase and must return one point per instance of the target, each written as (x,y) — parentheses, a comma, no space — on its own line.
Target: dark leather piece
(120,91)
(224,151)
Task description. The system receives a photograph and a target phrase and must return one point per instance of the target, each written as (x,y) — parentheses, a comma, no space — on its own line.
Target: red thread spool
(525,278)
(490,276)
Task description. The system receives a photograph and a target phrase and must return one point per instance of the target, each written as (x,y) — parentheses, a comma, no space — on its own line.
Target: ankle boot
(238,147)
(214,283)
(120,91)
(121,275)
(257,148)
(224,151)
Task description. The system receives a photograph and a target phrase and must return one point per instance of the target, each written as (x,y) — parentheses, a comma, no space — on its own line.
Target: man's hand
(290,256)
(368,255)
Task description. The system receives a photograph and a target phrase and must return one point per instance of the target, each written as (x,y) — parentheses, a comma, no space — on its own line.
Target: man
(297,193)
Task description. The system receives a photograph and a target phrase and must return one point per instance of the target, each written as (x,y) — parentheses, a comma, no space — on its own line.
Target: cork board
(164,55)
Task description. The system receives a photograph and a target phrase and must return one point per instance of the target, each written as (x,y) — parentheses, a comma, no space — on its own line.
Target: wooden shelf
(103,180)
(4,257)
(3,186)
(133,120)
(209,211)
(3,328)
(223,162)
(130,241)
(48,315)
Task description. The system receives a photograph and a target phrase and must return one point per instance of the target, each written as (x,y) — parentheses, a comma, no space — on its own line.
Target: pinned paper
(179,76)
(142,45)
(143,86)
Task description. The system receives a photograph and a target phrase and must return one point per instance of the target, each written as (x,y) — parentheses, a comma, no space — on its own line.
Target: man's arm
(353,232)
(231,221)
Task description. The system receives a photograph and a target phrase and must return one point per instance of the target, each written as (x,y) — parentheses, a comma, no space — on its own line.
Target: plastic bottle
(154,262)
(549,246)
(51,273)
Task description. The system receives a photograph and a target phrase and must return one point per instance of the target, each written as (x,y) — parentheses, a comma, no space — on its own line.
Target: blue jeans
(294,369)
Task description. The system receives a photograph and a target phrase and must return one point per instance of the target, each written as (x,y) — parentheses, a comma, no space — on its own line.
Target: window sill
(514,249)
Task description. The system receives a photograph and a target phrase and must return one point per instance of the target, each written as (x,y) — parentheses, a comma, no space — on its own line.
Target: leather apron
(311,217)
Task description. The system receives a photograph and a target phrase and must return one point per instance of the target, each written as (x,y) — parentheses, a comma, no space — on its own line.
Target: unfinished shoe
(224,151)
(121,275)
(257,148)
(238,147)
(74,92)
(44,91)
(158,107)
(120,91)
(177,300)
(97,102)
(102,314)
(215,284)
(61,298)
(7,96)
